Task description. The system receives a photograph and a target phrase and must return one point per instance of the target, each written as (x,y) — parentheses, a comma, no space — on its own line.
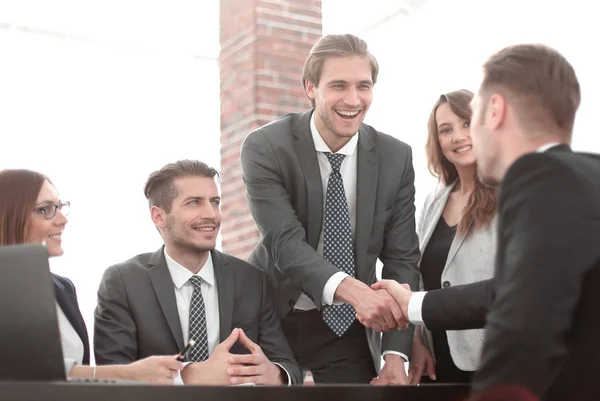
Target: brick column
(263,47)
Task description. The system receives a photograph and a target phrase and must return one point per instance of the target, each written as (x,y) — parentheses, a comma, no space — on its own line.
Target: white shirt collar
(547,146)
(321,146)
(180,275)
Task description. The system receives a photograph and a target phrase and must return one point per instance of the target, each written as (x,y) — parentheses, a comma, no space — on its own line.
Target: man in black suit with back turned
(541,310)
(331,195)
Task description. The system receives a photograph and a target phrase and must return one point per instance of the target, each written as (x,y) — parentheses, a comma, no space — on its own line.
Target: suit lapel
(225,290)
(366,189)
(165,293)
(454,247)
(305,149)
(70,307)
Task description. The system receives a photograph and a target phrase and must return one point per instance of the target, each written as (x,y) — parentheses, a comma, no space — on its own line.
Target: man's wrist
(405,302)
(350,290)
(279,373)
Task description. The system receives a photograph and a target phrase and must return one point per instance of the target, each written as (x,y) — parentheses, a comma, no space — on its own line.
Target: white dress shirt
(183,296)
(415,303)
(72,346)
(348,171)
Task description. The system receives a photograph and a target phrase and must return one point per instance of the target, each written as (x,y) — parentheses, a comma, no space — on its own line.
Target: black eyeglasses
(49,211)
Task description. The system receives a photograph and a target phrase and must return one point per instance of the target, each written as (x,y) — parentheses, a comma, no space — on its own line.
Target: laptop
(30,345)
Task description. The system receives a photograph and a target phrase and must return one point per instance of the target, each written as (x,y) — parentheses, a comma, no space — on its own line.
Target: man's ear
(310,90)
(497,108)
(159,217)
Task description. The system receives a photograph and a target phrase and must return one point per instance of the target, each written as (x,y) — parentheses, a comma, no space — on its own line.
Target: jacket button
(446,284)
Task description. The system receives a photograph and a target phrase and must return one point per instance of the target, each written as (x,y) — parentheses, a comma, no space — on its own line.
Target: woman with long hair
(456,237)
(32,212)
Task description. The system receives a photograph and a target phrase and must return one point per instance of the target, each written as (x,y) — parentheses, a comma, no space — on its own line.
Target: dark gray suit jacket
(284,189)
(137,315)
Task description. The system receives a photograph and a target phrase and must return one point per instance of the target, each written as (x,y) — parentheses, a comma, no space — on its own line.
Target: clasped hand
(386,307)
(224,368)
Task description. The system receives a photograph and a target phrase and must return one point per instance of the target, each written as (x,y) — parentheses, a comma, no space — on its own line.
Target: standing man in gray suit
(331,195)
(153,303)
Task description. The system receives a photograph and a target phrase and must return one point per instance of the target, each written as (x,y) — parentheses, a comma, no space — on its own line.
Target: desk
(25,391)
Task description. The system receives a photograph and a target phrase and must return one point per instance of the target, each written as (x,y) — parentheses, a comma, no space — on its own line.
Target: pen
(184,352)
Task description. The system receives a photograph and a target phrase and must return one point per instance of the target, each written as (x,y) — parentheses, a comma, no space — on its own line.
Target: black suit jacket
(137,315)
(67,300)
(543,324)
(285,194)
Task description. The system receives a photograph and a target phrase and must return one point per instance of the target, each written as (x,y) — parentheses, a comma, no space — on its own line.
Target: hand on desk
(254,367)
(225,368)
(396,296)
(392,373)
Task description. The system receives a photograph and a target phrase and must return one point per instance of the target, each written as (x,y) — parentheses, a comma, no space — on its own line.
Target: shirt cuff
(396,353)
(178,380)
(289,380)
(415,315)
(330,288)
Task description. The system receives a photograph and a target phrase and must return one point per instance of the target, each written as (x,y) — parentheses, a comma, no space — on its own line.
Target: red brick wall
(263,47)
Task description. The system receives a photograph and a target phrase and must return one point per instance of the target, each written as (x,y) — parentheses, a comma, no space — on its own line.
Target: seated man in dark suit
(543,324)
(155,303)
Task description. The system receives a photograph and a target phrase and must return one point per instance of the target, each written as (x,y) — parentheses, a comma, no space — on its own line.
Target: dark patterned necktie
(337,242)
(199,351)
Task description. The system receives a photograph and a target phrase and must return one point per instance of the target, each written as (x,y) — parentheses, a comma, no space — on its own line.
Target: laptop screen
(30,346)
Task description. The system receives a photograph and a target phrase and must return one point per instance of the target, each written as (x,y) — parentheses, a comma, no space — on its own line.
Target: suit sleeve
(400,253)
(461,307)
(283,235)
(549,239)
(272,340)
(115,333)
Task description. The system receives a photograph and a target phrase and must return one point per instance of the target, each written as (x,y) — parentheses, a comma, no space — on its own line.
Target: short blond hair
(335,46)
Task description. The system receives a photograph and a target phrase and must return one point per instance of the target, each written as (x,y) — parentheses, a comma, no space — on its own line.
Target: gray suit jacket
(285,193)
(137,315)
(470,259)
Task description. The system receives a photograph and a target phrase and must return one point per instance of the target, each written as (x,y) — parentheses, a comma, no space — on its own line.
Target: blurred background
(98,94)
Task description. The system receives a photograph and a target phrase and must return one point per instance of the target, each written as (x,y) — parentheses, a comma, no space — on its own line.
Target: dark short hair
(160,187)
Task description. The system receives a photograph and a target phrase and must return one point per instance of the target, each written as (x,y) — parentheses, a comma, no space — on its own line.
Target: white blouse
(72,346)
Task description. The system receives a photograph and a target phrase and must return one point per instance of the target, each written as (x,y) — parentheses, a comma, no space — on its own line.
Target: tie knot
(196,282)
(335,159)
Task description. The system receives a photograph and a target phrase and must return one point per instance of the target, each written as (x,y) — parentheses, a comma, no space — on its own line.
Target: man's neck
(333,141)
(193,261)
(526,146)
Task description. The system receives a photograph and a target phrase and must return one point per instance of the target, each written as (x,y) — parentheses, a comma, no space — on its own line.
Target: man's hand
(392,373)
(213,371)
(255,367)
(401,294)
(377,309)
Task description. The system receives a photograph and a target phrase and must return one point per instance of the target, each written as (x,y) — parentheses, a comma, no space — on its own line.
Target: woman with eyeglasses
(32,212)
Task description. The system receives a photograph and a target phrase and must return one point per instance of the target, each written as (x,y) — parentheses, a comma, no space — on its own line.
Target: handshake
(383,307)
